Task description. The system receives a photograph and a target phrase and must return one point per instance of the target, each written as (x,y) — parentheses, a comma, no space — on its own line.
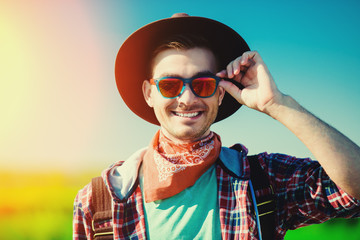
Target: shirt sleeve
(305,193)
(82,220)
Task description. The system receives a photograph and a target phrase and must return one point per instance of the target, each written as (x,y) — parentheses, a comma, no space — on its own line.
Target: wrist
(278,105)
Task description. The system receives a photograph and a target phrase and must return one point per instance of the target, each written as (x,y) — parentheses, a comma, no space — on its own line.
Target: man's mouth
(187,115)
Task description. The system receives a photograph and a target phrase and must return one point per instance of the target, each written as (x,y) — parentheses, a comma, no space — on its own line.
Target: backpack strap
(102,212)
(266,202)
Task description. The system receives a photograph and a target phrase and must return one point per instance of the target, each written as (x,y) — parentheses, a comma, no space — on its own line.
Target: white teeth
(189,115)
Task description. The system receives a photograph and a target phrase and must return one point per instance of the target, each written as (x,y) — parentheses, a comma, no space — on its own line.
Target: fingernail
(221,73)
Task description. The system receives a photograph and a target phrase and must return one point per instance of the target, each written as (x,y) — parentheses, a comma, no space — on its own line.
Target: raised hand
(250,71)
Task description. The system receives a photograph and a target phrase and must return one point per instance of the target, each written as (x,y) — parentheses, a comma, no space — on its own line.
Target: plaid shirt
(305,195)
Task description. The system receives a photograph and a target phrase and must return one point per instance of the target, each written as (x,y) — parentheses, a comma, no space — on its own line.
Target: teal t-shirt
(190,214)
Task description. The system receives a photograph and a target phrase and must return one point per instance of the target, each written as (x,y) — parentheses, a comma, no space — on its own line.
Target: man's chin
(188,134)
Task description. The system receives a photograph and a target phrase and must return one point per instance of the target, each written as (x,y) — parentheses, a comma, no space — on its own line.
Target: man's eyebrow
(169,75)
(204,73)
(198,74)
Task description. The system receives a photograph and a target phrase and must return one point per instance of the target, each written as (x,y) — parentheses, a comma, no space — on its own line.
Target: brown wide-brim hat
(133,59)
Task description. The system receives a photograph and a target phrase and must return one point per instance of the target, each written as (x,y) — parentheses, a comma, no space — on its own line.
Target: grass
(39,225)
(38,206)
(335,229)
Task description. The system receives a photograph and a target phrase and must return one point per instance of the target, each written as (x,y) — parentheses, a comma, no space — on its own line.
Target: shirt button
(251,229)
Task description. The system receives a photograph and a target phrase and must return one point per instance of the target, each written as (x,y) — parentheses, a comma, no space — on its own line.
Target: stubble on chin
(188,133)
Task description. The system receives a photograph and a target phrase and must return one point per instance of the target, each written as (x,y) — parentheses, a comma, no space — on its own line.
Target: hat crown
(180,15)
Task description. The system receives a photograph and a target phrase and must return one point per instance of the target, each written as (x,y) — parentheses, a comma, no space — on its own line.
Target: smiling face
(185,118)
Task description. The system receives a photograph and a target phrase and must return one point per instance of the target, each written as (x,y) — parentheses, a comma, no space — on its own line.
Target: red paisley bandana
(170,167)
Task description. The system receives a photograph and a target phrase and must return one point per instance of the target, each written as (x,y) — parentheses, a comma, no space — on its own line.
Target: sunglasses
(203,87)
(172,87)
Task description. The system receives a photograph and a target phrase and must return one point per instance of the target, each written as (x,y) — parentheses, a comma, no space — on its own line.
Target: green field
(39,206)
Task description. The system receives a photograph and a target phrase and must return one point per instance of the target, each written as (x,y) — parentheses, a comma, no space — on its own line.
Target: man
(179,73)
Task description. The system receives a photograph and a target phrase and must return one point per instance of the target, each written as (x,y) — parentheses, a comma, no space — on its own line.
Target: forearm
(337,154)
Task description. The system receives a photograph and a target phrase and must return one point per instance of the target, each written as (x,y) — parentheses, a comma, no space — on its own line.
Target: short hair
(180,42)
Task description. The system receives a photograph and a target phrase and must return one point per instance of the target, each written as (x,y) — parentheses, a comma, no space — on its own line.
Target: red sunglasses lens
(204,86)
(170,87)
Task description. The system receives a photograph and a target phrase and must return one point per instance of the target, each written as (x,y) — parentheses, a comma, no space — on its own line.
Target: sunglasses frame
(185,81)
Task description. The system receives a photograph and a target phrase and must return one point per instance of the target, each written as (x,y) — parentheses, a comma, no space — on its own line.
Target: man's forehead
(197,74)
(184,62)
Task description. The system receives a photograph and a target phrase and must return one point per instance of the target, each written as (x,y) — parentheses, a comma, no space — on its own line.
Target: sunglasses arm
(239,85)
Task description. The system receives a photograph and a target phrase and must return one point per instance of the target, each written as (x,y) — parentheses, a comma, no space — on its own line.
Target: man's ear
(221,94)
(146,88)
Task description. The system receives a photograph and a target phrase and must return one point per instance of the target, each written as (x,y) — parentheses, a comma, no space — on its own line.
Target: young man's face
(186,117)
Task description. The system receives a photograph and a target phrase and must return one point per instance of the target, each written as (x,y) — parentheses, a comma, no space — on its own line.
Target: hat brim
(135,54)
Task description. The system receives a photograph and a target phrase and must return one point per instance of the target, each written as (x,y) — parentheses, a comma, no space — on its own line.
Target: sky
(59,105)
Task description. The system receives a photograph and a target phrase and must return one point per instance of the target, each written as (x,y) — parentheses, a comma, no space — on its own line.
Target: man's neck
(184,140)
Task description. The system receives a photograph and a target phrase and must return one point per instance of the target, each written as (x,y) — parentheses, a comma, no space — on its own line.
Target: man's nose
(187,97)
